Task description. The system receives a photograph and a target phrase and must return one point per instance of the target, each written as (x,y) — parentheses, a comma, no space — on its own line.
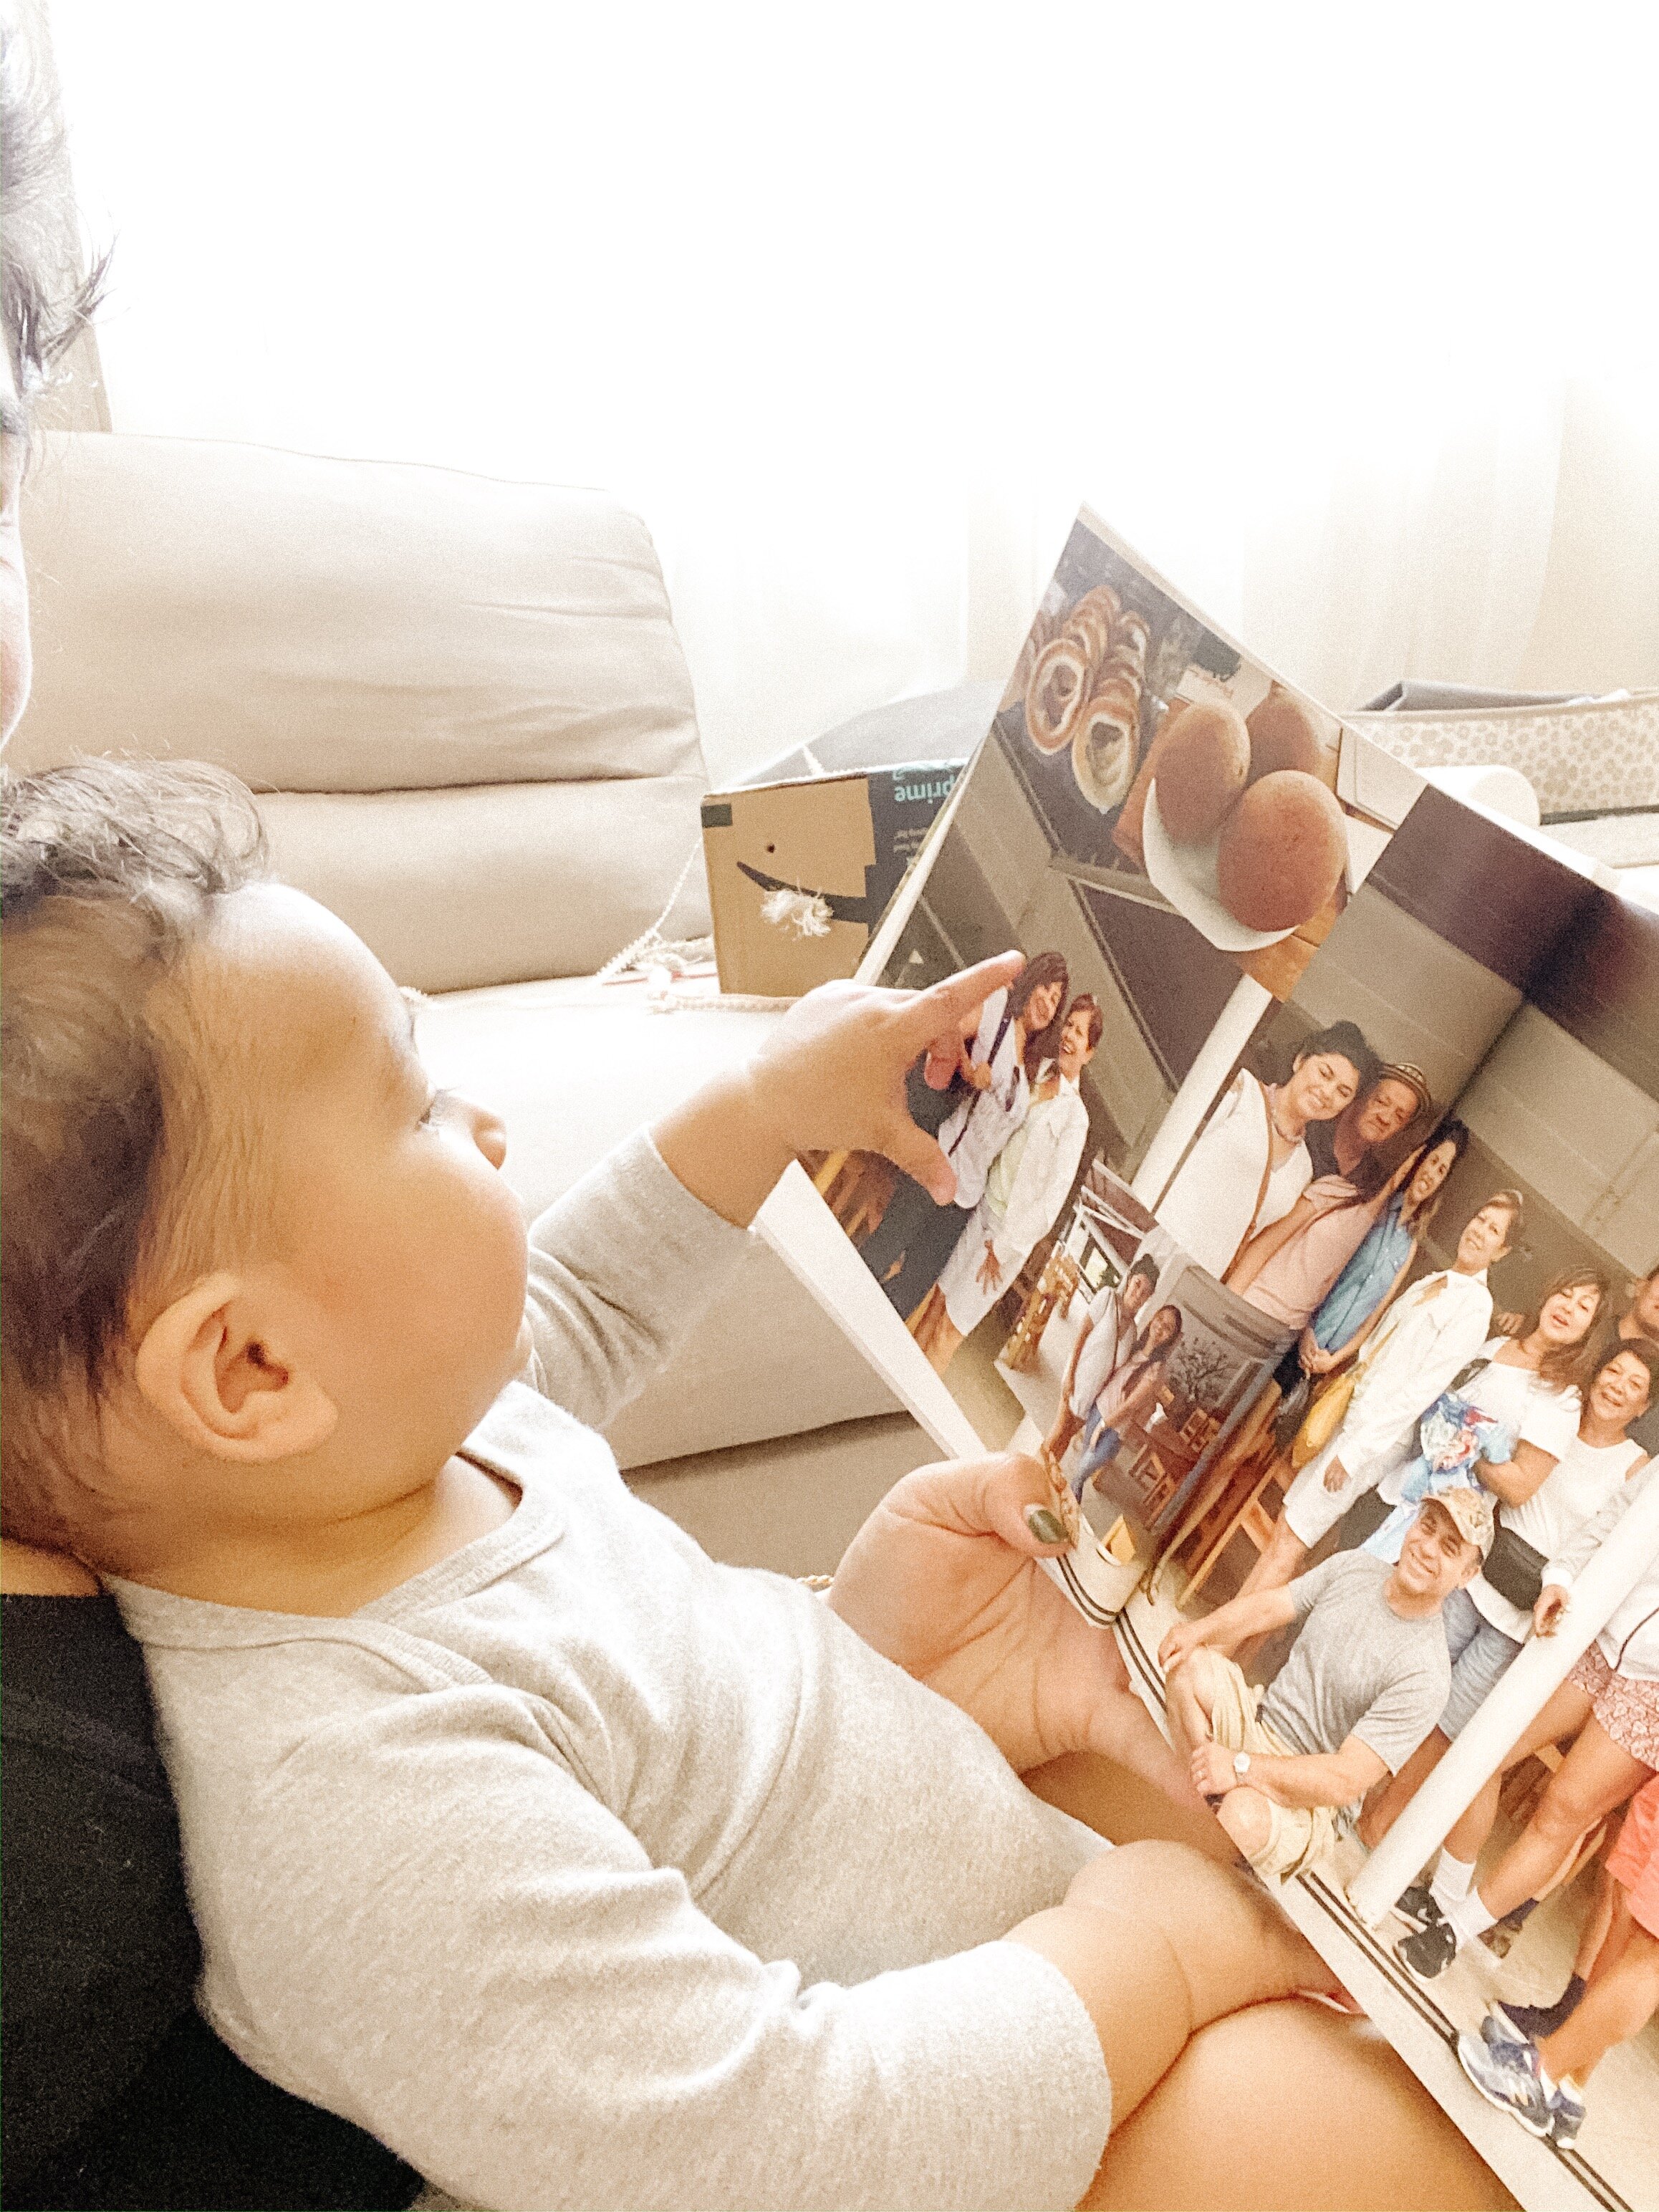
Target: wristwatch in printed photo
(1241,1764)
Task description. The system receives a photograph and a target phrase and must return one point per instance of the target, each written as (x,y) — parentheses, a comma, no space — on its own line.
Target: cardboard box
(799,874)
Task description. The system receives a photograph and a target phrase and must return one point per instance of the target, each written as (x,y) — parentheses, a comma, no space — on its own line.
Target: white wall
(1416,997)
(857,308)
(1583,1136)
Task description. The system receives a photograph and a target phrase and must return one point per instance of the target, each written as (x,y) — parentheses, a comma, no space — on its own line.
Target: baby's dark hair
(109,873)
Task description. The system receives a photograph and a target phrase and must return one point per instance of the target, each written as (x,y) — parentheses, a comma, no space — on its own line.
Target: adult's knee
(1565,1809)
(1248,1818)
(1196,1675)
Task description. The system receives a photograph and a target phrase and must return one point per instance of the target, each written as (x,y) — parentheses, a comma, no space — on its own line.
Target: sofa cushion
(573,1067)
(574,872)
(366,627)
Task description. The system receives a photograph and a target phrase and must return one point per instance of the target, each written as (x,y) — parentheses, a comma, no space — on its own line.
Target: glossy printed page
(1131,1118)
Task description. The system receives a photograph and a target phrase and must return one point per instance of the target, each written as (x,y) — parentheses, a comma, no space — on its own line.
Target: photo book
(1307,1174)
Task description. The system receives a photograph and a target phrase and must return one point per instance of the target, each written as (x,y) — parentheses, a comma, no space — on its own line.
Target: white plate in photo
(1186,876)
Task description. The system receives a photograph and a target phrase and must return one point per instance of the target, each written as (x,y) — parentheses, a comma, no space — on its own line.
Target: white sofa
(470,724)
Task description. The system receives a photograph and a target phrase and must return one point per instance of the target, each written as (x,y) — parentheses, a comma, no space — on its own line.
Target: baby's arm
(1158,1941)
(426,1922)
(622,1264)
(830,1076)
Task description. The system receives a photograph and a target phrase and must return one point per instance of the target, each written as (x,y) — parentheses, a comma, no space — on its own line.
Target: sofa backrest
(462,701)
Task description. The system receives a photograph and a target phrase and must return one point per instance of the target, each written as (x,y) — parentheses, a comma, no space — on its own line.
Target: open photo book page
(1321,1274)
(1501,1883)
(1245,998)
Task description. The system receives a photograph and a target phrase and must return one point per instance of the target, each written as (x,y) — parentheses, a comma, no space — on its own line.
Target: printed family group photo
(1324,1284)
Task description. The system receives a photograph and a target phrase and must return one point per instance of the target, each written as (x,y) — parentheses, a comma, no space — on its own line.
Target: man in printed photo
(1366,1680)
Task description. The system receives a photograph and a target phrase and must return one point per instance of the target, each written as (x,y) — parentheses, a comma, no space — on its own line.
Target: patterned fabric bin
(1589,757)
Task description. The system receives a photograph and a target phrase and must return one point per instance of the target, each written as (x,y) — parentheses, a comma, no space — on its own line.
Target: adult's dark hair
(1147,1269)
(1086,1003)
(1635,1347)
(109,873)
(1146,1358)
(1448,1131)
(1042,967)
(1568,1366)
(1375,1168)
(46,299)
(1343,1040)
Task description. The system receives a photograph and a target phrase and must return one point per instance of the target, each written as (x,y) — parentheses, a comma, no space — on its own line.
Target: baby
(578,1868)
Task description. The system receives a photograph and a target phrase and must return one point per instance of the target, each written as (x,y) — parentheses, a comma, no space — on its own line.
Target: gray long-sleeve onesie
(586,1872)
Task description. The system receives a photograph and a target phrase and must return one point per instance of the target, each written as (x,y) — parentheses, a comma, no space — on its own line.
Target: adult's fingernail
(1048,1528)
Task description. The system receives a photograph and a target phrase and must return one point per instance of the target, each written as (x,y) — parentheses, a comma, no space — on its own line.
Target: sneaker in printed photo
(1416,1905)
(1497,2034)
(1511,2076)
(1566,2115)
(1508,2076)
(1429,1951)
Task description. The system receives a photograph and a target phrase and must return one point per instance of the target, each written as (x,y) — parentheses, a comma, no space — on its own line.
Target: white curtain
(856,305)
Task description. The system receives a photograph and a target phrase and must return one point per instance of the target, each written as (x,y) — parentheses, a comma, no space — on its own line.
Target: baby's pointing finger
(940,1010)
(914,1151)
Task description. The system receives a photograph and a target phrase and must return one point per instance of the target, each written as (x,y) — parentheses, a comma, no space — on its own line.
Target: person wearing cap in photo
(1366,1680)
(1394,1098)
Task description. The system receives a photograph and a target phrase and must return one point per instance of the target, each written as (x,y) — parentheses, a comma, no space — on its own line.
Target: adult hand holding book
(944,1579)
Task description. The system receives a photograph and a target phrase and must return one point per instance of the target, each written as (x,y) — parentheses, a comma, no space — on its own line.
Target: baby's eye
(434,1107)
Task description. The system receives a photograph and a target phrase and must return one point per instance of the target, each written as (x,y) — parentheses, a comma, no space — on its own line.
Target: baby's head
(255,1273)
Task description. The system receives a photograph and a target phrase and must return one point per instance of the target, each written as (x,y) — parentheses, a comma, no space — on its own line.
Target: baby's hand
(832,1074)
(830,1077)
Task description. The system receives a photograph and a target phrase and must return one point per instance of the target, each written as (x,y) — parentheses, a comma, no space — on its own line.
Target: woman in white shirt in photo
(1017,1030)
(1105,1339)
(1250,1161)
(1525,1391)
(1029,1182)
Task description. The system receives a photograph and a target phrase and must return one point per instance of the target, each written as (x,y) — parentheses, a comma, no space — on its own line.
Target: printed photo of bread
(1282,851)
(1082,688)
(1202,770)
(1171,771)
(1243,795)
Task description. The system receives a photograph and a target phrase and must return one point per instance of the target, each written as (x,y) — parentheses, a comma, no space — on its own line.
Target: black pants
(921,1231)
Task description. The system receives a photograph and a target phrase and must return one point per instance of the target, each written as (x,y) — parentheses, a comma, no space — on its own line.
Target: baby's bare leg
(1289,2105)
(1158,1941)
(1115,1802)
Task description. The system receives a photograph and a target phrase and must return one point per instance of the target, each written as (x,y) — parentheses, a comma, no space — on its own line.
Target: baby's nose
(489,1132)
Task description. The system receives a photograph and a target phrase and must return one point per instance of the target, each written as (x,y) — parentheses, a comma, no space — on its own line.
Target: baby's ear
(220,1379)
